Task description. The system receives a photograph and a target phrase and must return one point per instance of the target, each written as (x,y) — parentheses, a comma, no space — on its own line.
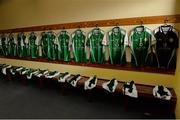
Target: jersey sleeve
(71,41)
(130,39)
(26,36)
(176,37)
(152,38)
(109,37)
(124,33)
(15,39)
(105,40)
(56,40)
(88,39)
(6,39)
(37,40)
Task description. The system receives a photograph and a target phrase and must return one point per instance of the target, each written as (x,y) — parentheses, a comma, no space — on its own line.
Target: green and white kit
(117,42)
(3,44)
(141,41)
(64,46)
(11,45)
(33,45)
(22,45)
(79,45)
(95,41)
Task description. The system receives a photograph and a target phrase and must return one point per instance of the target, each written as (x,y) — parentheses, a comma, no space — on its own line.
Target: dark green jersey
(51,45)
(3,45)
(140,41)
(22,45)
(33,45)
(64,46)
(1,49)
(95,42)
(11,45)
(79,46)
(43,43)
(117,43)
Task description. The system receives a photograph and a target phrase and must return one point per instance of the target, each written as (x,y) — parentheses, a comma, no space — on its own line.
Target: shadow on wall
(4,1)
(177,82)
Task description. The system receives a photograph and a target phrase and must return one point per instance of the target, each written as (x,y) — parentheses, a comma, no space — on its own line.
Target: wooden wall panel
(101,23)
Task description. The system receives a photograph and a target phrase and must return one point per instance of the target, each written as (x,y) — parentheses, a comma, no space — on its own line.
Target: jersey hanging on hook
(96,42)
(3,45)
(79,45)
(117,42)
(22,45)
(166,46)
(11,45)
(51,45)
(44,44)
(64,46)
(33,43)
(140,41)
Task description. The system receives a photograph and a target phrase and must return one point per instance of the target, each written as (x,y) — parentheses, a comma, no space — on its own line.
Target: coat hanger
(117,25)
(63,28)
(96,25)
(79,27)
(11,34)
(141,22)
(165,22)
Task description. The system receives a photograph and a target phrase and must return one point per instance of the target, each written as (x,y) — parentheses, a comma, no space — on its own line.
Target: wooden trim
(100,23)
(127,67)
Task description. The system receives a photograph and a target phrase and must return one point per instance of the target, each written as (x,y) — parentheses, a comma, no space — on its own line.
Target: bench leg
(40,83)
(9,77)
(125,102)
(62,87)
(89,94)
(24,80)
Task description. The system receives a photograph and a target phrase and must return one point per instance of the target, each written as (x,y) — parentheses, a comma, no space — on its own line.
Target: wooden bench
(144,91)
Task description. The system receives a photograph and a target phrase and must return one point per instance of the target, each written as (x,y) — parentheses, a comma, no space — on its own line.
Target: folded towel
(52,74)
(63,77)
(74,80)
(90,83)
(129,89)
(5,68)
(110,85)
(162,92)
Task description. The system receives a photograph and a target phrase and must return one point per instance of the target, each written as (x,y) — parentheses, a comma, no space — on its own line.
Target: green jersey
(3,45)
(11,45)
(44,44)
(22,45)
(117,43)
(79,46)
(1,49)
(64,46)
(95,42)
(33,45)
(140,41)
(51,45)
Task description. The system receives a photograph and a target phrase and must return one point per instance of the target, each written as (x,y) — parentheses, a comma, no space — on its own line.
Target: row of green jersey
(58,46)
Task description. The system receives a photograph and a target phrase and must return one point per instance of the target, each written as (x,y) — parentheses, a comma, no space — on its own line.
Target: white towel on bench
(134,92)
(19,69)
(63,79)
(86,84)
(33,73)
(165,97)
(41,74)
(74,82)
(4,69)
(52,76)
(107,88)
